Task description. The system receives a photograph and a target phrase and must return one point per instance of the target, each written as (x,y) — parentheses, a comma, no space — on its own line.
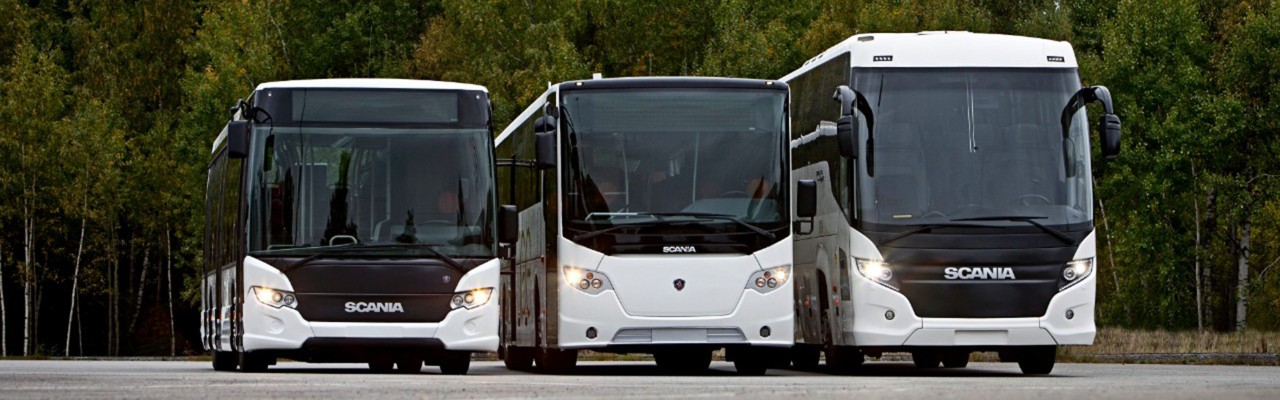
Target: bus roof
(673,82)
(370,83)
(947,49)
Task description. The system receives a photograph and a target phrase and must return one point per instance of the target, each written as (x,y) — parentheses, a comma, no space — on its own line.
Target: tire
(805,357)
(518,359)
(225,361)
(955,359)
(925,359)
(251,362)
(750,365)
(683,362)
(456,363)
(551,361)
(409,366)
(844,359)
(382,367)
(1038,360)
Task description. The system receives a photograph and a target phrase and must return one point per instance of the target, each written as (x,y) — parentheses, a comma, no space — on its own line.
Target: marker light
(275,298)
(590,282)
(471,298)
(1074,272)
(877,271)
(768,280)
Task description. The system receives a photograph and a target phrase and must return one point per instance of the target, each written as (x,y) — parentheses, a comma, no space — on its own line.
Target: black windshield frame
(1011,148)
(584,131)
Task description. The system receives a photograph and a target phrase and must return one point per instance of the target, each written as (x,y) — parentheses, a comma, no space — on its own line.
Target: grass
(1177,347)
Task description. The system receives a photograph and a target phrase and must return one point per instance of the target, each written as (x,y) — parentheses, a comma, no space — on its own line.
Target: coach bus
(653,218)
(955,206)
(353,220)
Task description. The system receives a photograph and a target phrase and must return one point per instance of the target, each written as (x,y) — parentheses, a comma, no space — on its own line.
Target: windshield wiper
(659,221)
(1030,219)
(928,228)
(452,263)
(725,217)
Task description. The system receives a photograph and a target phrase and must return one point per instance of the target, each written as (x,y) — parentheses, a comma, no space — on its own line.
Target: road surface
(628,380)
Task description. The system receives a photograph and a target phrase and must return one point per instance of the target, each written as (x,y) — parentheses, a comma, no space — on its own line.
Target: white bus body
(620,251)
(313,251)
(957,216)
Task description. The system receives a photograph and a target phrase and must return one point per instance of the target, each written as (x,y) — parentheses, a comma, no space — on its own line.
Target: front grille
(330,307)
(344,290)
(679,335)
(933,296)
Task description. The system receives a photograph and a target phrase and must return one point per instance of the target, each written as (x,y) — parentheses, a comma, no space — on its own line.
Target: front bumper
(267,328)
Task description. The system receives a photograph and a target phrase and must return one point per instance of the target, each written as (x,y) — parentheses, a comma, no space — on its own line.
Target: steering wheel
(1023,199)
(733,193)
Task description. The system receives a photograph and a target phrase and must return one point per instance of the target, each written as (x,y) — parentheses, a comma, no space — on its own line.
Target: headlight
(274,297)
(1075,272)
(768,280)
(471,298)
(877,271)
(590,282)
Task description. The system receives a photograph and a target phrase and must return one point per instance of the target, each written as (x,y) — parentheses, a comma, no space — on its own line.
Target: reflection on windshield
(632,154)
(341,186)
(963,143)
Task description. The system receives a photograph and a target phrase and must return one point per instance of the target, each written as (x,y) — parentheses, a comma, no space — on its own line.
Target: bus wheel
(805,357)
(683,361)
(554,361)
(925,359)
(250,362)
(455,363)
(409,365)
(843,358)
(750,364)
(224,361)
(1038,360)
(955,359)
(518,358)
(381,367)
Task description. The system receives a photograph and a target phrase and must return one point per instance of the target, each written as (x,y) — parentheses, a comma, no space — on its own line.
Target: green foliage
(108,109)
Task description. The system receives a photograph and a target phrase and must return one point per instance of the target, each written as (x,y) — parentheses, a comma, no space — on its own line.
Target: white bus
(654,218)
(353,220)
(955,205)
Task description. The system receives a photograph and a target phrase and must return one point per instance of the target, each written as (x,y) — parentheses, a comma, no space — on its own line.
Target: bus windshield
(975,144)
(675,158)
(323,187)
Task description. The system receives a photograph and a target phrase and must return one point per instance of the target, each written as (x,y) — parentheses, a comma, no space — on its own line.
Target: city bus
(353,220)
(654,218)
(955,201)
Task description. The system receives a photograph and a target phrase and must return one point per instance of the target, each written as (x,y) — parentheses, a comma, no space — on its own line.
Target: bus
(955,201)
(654,218)
(353,220)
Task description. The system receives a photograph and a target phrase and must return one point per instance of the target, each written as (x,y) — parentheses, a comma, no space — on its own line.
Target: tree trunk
(168,248)
(142,287)
(26,277)
(1242,277)
(4,318)
(1199,292)
(75,287)
(1111,254)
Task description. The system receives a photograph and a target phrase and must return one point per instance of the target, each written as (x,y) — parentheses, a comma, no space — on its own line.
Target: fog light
(772,283)
(1071,314)
(760,282)
(765,332)
(584,284)
(889,315)
(597,283)
(591,333)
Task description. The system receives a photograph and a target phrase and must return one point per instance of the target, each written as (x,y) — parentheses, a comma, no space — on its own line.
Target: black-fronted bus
(955,208)
(352,220)
(654,218)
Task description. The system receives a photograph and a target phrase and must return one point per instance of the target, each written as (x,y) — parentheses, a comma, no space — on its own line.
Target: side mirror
(847,136)
(238,135)
(546,149)
(544,123)
(806,198)
(508,224)
(1110,129)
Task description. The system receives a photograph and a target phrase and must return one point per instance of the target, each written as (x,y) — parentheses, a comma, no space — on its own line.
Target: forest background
(108,109)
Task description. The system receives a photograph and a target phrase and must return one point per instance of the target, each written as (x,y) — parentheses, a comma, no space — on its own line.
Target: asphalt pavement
(638,380)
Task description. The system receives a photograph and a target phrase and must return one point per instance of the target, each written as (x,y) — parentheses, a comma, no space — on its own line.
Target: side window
(815,112)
